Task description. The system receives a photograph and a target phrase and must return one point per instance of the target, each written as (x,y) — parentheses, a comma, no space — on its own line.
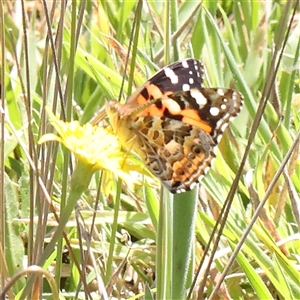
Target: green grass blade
(184,211)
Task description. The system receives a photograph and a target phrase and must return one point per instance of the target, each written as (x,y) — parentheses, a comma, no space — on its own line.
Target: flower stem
(79,183)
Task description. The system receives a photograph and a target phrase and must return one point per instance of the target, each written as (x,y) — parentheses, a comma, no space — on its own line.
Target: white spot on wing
(234,95)
(185,64)
(171,74)
(185,87)
(214,111)
(198,96)
(172,105)
(220,92)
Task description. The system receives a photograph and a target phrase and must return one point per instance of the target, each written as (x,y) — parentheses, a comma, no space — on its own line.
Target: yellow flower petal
(100,149)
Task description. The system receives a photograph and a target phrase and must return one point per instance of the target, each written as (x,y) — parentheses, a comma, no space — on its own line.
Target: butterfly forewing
(180,76)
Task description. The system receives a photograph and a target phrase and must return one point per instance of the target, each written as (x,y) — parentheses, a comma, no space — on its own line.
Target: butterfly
(174,123)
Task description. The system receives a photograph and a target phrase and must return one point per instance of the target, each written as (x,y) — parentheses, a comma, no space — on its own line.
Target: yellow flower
(99,149)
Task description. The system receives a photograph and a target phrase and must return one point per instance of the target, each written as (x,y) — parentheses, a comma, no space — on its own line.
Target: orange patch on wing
(155,92)
(191,117)
(152,90)
(197,123)
(141,100)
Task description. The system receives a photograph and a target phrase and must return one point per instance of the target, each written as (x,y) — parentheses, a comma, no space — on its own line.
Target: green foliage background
(71,57)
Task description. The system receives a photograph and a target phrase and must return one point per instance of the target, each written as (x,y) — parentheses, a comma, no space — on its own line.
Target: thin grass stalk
(167,33)
(164,246)
(288,114)
(37,286)
(55,61)
(133,43)
(173,27)
(152,206)
(28,106)
(48,169)
(114,228)
(45,171)
(2,196)
(66,153)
